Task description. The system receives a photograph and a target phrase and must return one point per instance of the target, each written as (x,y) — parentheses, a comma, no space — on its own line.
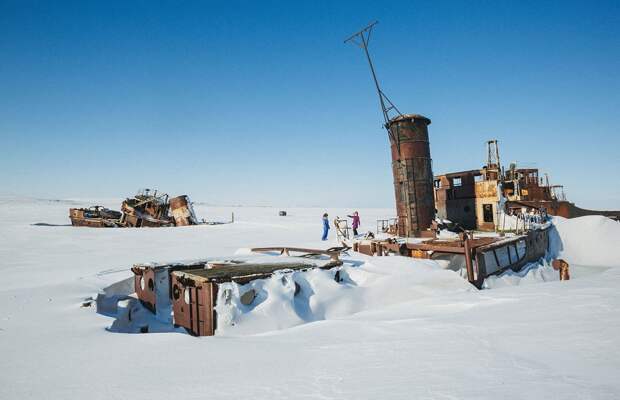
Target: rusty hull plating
(413,175)
(95,217)
(182,211)
(482,257)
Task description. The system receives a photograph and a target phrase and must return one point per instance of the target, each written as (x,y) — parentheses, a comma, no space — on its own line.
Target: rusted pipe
(468,263)
(563,267)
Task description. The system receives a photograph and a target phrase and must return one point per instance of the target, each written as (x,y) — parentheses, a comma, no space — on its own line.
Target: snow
(591,240)
(395,328)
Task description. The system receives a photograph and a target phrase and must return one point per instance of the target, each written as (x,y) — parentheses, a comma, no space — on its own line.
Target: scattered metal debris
(332,252)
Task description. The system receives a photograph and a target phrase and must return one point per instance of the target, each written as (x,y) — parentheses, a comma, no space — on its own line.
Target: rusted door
(180,303)
(205,323)
(193,306)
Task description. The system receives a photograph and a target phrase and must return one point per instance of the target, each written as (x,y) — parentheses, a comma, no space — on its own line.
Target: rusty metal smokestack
(413,175)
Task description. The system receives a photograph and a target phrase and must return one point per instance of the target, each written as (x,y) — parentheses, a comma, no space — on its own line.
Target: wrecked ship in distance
(148,208)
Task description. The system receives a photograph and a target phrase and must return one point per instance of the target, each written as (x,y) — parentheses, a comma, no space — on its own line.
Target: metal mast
(493,164)
(362,38)
(400,170)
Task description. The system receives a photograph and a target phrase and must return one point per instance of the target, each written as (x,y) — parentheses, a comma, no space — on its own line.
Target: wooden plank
(245,271)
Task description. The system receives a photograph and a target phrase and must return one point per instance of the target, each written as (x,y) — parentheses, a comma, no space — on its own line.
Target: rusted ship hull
(513,254)
(94,217)
(482,257)
(92,222)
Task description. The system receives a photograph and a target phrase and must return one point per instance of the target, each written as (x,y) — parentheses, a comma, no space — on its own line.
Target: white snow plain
(396,328)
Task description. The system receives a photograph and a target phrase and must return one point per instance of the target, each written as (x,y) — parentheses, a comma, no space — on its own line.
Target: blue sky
(263,103)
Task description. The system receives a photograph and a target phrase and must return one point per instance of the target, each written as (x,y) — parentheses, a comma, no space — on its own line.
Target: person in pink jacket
(356,222)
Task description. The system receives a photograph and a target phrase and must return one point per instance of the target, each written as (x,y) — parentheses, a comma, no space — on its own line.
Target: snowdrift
(591,240)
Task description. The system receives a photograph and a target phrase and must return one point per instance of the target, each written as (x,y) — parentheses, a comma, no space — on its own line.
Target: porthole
(176,292)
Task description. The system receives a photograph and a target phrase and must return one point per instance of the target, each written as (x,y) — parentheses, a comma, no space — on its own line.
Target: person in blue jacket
(325,227)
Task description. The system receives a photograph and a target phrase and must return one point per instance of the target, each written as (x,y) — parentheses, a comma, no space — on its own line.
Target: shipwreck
(148,208)
(485,199)
(467,203)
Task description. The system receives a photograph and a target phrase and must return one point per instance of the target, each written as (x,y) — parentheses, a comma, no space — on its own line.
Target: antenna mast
(362,38)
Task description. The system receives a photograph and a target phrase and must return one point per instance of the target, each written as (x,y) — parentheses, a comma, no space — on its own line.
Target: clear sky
(261,102)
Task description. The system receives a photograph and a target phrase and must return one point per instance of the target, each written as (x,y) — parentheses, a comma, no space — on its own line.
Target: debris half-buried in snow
(186,293)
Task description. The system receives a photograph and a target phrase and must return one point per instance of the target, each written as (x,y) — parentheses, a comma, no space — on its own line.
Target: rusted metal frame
(440,249)
(515,266)
(517,250)
(333,254)
(453,247)
(364,36)
(474,243)
(468,262)
(499,243)
(483,274)
(496,258)
(252,271)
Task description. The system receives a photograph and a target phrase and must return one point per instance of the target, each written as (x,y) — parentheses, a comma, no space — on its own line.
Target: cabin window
(508,188)
(456,181)
(478,178)
(487,212)
(437,183)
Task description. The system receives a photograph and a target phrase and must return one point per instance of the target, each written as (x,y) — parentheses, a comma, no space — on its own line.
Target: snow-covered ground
(397,328)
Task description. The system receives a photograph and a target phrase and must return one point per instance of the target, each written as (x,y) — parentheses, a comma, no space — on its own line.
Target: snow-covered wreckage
(148,208)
